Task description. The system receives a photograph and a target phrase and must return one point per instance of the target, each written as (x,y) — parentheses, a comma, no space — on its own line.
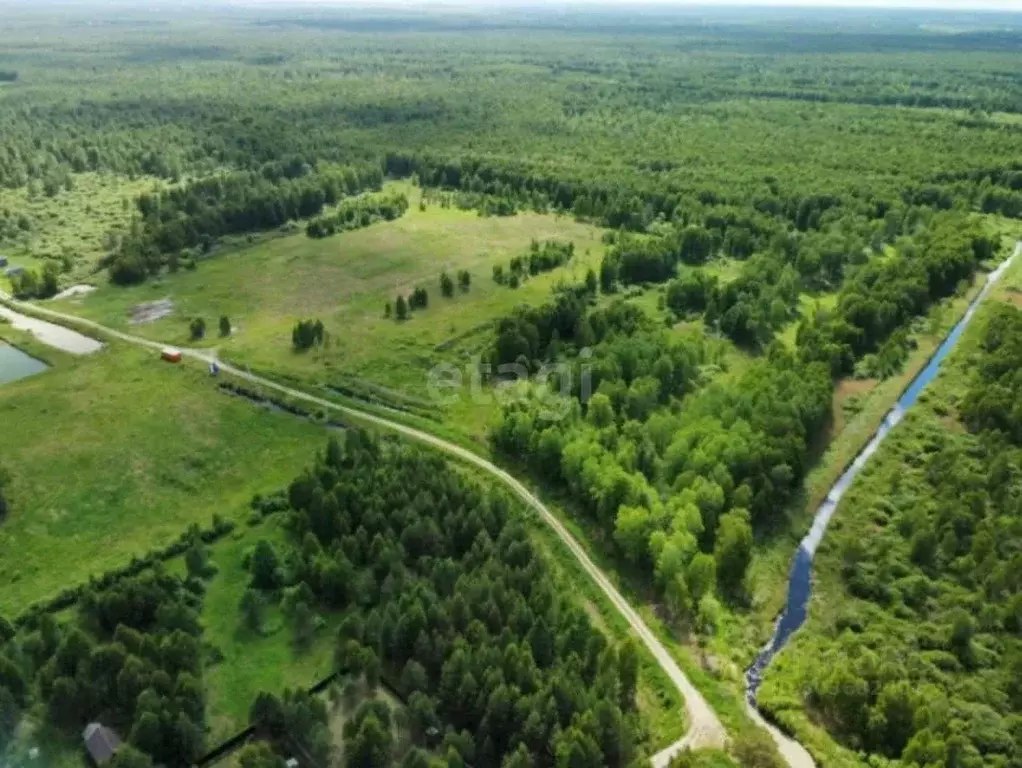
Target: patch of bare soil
(73,291)
(1013,296)
(151,311)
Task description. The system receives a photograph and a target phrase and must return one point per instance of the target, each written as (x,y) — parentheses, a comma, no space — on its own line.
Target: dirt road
(705,729)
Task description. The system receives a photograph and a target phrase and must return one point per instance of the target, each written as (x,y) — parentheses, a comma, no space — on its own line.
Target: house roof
(100,742)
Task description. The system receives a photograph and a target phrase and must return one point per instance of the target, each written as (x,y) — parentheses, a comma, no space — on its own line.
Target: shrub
(306,334)
(446,285)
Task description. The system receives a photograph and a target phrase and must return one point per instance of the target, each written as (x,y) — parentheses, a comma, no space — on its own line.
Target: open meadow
(117,454)
(346,281)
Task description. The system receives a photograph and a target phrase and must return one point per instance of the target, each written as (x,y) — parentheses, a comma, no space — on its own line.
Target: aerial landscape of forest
(510,387)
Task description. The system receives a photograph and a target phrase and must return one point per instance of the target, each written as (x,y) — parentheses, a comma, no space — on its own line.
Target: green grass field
(252,662)
(345,281)
(117,453)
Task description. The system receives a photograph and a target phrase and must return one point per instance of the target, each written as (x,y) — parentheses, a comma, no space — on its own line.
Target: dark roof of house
(101,742)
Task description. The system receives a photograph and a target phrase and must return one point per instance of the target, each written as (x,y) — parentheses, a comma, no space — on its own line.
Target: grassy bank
(864,544)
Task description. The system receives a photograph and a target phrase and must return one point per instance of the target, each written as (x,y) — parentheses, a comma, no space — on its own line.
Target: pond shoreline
(52,335)
(17,364)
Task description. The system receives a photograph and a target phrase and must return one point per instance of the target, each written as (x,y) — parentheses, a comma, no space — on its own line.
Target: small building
(14,271)
(171,355)
(3,261)
(100,742)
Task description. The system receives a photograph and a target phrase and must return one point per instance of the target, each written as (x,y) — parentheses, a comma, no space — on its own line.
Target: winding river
(800,584)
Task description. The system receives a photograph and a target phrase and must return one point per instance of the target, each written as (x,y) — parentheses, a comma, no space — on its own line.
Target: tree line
(357,213)
(535,334)
(540,258)
(884,294)
(180,223)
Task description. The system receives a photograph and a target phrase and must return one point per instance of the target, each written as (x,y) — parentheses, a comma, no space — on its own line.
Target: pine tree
(265,566)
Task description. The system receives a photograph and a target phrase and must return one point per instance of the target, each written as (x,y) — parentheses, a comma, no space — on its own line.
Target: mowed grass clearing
(118,453)
(345,281)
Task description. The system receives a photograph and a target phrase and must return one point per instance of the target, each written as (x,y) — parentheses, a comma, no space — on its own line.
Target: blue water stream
(800,584)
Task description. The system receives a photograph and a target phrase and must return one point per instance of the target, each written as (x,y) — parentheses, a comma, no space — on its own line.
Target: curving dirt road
(705,729)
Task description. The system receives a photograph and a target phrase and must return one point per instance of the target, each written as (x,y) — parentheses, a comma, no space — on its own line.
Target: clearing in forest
(346,281)
(117,454)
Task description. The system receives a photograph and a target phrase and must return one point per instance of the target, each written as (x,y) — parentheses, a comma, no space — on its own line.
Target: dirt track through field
(704,727)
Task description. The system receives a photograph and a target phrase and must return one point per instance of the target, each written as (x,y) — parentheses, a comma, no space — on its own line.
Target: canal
(800,583)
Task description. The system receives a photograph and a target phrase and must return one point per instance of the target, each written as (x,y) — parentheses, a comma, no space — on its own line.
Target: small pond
(15,364)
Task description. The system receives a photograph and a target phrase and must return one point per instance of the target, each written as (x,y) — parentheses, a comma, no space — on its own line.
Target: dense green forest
(447,597)
(677,463)
(677,468)
(131,656)
(918,657)
(780,207)
(627,129)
